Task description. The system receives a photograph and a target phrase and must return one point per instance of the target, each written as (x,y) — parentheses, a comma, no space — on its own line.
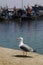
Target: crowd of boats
(20,13)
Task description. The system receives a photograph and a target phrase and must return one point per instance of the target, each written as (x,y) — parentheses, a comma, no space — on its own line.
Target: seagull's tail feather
(34,50)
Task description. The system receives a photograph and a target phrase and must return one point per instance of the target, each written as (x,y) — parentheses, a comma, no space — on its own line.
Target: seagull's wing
(26,48)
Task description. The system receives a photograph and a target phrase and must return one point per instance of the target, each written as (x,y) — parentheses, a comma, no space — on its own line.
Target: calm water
(32,32)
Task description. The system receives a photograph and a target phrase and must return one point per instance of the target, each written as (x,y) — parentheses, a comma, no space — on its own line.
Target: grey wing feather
(26,48)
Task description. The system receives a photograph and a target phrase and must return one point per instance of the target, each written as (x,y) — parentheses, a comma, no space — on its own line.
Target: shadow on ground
(21,56)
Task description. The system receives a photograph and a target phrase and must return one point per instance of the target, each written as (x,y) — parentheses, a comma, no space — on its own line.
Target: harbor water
(31,31)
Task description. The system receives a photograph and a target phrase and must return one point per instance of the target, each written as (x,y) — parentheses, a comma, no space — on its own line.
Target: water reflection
(32,32)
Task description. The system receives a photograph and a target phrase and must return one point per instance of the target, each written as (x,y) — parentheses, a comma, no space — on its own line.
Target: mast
(22,4)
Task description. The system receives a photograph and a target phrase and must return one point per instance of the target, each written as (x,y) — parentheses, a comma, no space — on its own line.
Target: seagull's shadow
(22,56)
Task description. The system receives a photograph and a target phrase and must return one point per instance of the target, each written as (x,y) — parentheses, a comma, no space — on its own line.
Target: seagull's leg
(26,53)
(23,53)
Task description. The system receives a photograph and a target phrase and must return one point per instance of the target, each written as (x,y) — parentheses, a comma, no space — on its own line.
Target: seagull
(24,47)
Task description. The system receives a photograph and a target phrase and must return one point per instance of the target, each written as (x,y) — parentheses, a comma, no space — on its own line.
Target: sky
(18,3)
